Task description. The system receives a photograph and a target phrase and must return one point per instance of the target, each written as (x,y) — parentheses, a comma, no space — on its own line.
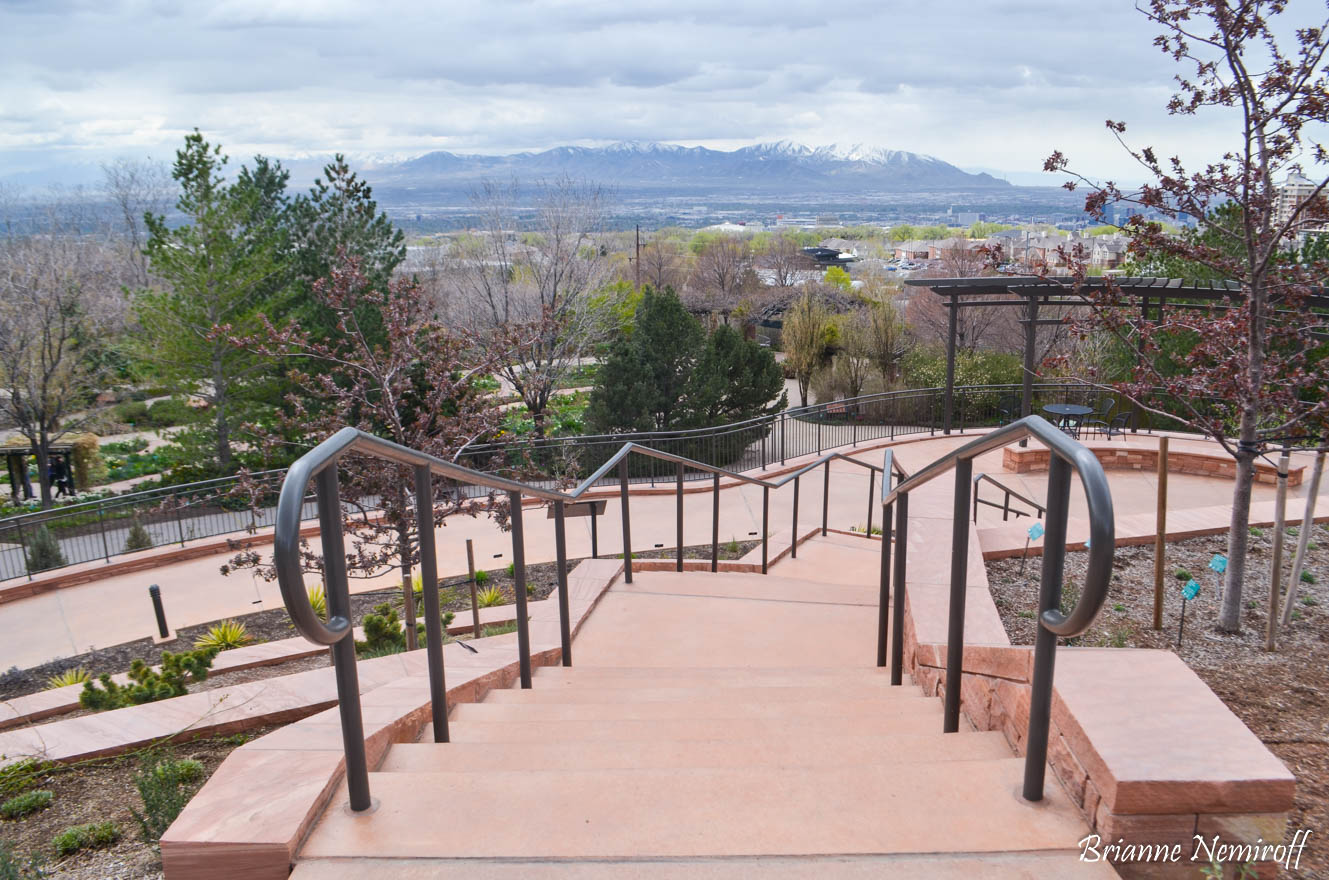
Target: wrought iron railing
(1007,494)
(320,466)
(1067,455)
(99,530)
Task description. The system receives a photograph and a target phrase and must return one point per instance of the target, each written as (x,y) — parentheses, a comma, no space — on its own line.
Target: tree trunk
(42,449)
(803,389)
(407,586)
(1238,539)
(223,437)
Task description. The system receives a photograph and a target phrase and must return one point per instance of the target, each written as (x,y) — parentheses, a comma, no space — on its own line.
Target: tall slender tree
(1255,373)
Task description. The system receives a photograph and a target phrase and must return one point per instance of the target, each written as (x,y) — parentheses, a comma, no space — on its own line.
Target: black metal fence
(101,530)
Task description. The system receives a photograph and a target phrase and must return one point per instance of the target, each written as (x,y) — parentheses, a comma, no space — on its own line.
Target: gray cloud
(978,83)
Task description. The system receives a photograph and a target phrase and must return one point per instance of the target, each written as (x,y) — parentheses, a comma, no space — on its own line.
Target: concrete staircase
(668,752)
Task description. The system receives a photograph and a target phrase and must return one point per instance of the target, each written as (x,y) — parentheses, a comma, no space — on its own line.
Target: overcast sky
(995,84)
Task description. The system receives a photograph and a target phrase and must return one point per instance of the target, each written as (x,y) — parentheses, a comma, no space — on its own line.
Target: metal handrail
(1067,455)
(319,466)
(1005,506)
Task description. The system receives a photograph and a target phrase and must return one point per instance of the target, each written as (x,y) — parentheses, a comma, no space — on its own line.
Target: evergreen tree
(735,380)
(220,270)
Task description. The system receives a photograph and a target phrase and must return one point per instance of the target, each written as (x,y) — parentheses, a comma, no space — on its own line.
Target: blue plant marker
(1218,563)
(1036,531)
(1191,590)
(1086,543)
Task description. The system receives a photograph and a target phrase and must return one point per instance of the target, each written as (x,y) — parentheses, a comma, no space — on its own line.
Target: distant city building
(1291,193)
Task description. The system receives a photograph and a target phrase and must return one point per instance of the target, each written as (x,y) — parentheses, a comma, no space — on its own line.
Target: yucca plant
(77,675)
(489,597)
(224,636)
(318,600)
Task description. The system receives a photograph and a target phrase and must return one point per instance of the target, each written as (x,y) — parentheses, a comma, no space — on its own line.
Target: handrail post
(872,484)
(343,651)
(627,520)
(678,512)
(101,524)
(825,499)
(1045,642)
(897,620)
(561,560)
(964,469)
(765,519)
(975,504)
(793,529)
(715,523)
(519,588)
(884,600)
(424,519)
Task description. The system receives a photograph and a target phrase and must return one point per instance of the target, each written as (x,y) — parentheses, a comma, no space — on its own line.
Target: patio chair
(1008,409)
(1112,428)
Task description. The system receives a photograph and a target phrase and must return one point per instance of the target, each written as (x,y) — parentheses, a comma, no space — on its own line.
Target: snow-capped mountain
(784,165)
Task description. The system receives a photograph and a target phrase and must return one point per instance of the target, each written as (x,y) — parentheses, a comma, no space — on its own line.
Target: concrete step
(564,693)
(583,675)
(918,807)
(958,866)
(836,559)
(866,709)
(824,751)
(741,585)
(683,729)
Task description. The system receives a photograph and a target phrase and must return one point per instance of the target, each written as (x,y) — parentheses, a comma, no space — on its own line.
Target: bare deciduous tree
(518,275)
(721,277)
(136,188)
(59,304)
(784,260)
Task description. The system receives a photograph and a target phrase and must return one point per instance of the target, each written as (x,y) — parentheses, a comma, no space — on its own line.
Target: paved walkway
(117,609)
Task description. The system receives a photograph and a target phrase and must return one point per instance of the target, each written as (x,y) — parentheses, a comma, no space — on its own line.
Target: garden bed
(1283,697)
(102,791)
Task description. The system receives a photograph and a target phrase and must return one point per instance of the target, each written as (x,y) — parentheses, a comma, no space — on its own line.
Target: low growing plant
(489,597)
(14,868)
(481,578)
(165,785)
(1182,574)
(512,569)
(178,671)
(24,804)
(77,675)
(1308,576)
(95,835)
(318,600)
(1309,601)
(20,776)
(224,636)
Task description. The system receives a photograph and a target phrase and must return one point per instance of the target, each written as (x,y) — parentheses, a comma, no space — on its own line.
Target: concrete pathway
(116,609)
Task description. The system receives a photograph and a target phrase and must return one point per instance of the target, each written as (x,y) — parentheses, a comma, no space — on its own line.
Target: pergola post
(951,330)
(1030,340)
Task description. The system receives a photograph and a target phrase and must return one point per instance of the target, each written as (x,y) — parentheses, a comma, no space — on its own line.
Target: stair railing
(1067,455)
(1005,505)
(320,466)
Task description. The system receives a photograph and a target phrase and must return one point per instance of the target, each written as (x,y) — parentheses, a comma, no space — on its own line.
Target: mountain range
(783,166)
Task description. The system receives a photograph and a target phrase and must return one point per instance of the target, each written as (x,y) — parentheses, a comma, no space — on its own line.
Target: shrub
(1182,574)
(164,785)
(481,578)
(19,776)
(178,671)
(44,551)
(12,868)
(489,597)
(1308,576)
(512,569)
(92,836)
(132,412)
(224,636)
(77,675)
(21,805)
(138,538)
(169,413)
(383,632)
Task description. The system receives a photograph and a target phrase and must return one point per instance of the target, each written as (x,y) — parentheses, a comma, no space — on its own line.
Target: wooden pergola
(1037,293)
(17,451)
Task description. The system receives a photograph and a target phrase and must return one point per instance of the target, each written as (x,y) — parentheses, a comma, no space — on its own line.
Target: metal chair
(1008,409)
(1112,428)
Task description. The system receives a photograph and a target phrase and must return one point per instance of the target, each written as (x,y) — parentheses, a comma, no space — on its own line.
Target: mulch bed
(99,791)
(1282,696)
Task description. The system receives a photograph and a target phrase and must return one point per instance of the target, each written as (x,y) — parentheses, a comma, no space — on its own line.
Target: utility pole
(638,261)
